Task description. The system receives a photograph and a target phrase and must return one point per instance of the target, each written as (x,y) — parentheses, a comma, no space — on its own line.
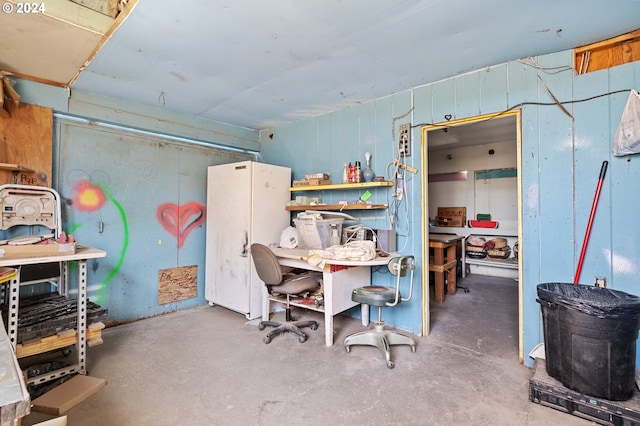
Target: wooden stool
(443,262)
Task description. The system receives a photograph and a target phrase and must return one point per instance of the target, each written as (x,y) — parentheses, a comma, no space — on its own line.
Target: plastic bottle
(334,239)
(352,173)
(345,173)
(358,172)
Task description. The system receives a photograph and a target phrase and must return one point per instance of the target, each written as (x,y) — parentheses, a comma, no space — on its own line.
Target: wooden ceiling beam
(7,90)
(10,92)
(3,112)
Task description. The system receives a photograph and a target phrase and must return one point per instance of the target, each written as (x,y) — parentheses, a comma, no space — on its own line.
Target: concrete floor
(208,366)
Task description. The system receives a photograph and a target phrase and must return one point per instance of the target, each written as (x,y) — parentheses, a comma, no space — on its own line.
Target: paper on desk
(354,250)
(289,238)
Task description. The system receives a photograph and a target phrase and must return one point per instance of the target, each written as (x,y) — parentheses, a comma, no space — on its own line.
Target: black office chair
(279,283)
(381,296)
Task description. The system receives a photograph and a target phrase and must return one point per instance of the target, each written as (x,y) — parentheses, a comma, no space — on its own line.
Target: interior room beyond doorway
(473,164)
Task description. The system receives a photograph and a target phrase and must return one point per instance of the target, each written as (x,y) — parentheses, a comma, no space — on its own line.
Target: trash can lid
(602,302)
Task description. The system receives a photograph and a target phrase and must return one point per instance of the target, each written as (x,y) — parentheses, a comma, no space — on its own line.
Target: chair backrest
(399,266)
(266,264)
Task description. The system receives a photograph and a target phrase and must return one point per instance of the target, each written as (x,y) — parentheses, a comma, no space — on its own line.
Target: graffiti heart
(180,220)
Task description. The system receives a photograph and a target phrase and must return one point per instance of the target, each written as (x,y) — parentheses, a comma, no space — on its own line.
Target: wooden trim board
(60,340)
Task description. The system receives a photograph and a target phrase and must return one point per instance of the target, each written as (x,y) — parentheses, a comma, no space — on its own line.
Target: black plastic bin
(590,338)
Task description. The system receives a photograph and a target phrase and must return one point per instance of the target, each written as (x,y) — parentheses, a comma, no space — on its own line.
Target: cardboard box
(36,250)
(452,211)
(58,421)
(310,176)
(452,216)
(457,221)
(69,394)
(311,182)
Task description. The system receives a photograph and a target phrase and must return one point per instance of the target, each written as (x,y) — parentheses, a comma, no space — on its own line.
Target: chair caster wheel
(261,326)
(347,348)
(413,348)
(267,340)
(302,339)
(313,326)
(390,364)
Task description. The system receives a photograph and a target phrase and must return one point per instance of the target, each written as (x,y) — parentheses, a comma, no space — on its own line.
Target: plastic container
(316,233)
(590,338)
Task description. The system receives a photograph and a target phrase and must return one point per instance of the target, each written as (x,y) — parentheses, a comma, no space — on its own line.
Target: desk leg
(82,316)
(327,281)
(438,260)
(464,257)
(14,302)
(338,287)
(451,277)
(266,304)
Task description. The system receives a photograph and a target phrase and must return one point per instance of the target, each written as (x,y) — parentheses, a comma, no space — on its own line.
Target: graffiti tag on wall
(180,220)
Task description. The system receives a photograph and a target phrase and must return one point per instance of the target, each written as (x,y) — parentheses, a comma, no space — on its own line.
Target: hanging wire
(521,104)
(531,62)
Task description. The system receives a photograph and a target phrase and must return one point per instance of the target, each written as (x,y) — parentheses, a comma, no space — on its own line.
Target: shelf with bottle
(353,178)
(361,185)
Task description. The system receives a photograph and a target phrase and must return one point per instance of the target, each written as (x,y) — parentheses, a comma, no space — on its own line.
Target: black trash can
(590,338)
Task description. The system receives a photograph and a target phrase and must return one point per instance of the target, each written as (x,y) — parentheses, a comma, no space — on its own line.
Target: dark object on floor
(39,369)
(459,273)
(466,289)
(547,391)
(590,338)
(384,297)
(270,272)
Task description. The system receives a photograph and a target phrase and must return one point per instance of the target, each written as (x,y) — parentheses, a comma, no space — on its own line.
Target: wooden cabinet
(26,144)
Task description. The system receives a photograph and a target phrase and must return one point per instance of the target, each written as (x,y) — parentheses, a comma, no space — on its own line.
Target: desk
(338,284)
(82,254)
(445,262)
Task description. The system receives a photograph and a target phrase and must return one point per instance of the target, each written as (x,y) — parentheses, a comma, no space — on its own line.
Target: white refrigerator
(245,204)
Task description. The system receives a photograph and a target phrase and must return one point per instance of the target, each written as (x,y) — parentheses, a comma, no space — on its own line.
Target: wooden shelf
(299,302)
(60,340)
(339,207)
(362,185)
(15,168)
(511,263)
(501,232)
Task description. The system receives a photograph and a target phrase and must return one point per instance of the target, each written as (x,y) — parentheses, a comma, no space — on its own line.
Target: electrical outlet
(404,141)
(601,282)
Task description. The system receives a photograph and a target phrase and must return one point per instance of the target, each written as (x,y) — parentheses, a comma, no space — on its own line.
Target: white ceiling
(260,64)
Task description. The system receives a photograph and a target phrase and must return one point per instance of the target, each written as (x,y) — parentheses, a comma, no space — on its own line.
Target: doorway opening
(472,171)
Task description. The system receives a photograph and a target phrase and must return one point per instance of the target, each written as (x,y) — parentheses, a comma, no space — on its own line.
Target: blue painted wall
(561,161)
(120,154)
(324,143)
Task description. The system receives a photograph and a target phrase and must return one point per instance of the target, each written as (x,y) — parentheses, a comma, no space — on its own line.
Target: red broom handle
(594,206)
